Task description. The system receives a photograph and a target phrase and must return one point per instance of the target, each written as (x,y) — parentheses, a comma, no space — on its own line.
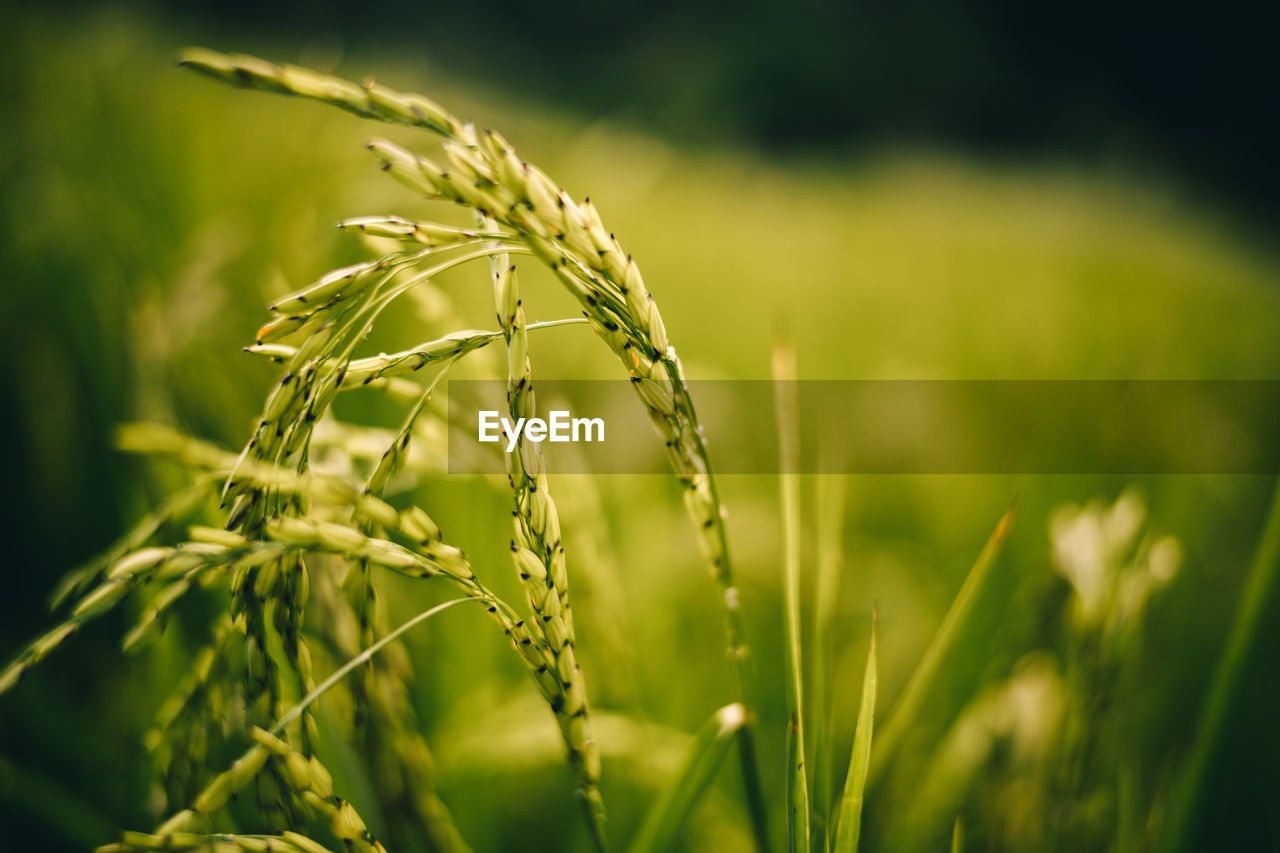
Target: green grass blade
(787,414)
(849,820)
(1189,785)
(957,836)
(752,785)
(830,514)
(903,715)
(703,757)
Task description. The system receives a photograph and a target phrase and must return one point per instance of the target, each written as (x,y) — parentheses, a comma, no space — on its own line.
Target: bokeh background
(913,190)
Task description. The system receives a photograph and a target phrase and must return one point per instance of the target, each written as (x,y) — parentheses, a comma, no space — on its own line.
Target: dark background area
(1168,88)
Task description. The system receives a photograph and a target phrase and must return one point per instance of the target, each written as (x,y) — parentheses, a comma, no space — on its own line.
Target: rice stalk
(539,554)
(485,173)
(585,526)
(350,300)
(786,408)
(364,371)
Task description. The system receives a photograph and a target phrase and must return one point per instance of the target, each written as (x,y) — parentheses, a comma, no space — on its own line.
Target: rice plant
(288,528)
(301,554)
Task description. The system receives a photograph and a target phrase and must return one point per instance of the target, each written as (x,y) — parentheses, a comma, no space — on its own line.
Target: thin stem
(786,408)
(344,670)
(735,630)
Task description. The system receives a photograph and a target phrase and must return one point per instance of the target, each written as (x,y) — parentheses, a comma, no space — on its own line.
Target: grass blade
(1177,832)
(957,836)
(703,758)
(903,715)
(849,820)
(830,513)
(787,413)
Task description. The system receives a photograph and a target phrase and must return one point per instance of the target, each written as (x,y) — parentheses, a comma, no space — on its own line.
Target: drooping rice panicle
(315,372)
(191,723)
(308,780)
(285,523)
(398,756)
(539,555)
(401,767)
(214,842)
(177,505)
(363,371)
(486,174)
(306,775)
(128,573)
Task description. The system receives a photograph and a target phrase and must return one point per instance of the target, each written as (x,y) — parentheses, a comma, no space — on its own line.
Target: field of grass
(152,215)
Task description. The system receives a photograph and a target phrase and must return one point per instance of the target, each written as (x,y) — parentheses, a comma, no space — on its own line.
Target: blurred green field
(150,216)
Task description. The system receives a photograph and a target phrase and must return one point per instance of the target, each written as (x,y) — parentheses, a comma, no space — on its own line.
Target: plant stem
(735,637)
(736,640)
(365,656)
(787,415)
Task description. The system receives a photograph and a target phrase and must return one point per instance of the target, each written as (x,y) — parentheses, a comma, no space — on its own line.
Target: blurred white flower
(1112,563)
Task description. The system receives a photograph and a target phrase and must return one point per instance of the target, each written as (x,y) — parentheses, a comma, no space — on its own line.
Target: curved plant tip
(703,758)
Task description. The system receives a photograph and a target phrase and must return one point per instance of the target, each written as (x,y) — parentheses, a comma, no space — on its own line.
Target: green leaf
(830,516)
(903,716)
(1188,787)
(703,758)
(849,819)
